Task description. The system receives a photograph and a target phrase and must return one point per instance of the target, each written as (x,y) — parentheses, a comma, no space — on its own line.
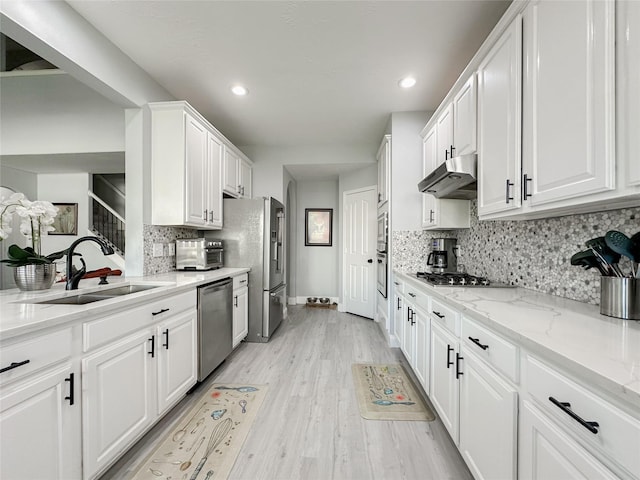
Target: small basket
(620,297)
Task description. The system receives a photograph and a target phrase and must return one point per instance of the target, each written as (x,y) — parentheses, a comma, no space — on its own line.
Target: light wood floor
(309,426)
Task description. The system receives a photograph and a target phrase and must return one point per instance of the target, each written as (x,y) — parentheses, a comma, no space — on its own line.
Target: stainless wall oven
(382,274)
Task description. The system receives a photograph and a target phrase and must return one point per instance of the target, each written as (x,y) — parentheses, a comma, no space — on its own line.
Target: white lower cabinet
(40,426)
(177,358)
(444,386)
(240,308)
(488,420)
(118,398)
(547,453)
(421,357)
(131,381)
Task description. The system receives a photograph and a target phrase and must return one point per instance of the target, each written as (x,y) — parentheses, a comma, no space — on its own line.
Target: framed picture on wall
(66,222)
(318,227)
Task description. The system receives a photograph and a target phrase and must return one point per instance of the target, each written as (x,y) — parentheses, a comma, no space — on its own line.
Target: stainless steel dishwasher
(215,325)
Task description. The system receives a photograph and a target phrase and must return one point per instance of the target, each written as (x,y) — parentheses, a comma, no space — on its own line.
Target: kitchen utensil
(587,259)
(620,243)
(218,434)
(187,464)
(609,258)
(635,249)
(179,435)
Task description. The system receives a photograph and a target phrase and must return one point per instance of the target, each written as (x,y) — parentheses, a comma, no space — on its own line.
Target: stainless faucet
(73,279)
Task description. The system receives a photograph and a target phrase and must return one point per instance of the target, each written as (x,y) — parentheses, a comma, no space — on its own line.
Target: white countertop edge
(617,378)
(19,314)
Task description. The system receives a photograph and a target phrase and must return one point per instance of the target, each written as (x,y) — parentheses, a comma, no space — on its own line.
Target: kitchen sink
(106,294)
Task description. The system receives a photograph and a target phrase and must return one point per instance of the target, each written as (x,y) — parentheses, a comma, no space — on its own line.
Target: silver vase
(34,277)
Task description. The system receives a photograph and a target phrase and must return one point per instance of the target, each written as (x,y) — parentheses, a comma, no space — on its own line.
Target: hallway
(309,426)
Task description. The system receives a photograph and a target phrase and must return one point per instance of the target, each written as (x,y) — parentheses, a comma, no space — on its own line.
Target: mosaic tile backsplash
(155,234)
(532,254)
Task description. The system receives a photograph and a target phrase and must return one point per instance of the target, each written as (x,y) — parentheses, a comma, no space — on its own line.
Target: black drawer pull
(14,365)
(458,371)
(161,311)
(438,314)
(566,408)
(166,339)
(412,295)
(477,342)
(71,396)
(449,350)
(153,346)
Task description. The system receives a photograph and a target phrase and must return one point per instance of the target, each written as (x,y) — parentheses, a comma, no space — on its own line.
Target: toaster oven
(198,254)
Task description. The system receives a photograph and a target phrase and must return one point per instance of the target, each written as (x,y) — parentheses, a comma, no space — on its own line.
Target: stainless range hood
(455,178)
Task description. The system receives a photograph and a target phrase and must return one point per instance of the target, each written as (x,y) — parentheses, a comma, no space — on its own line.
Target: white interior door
(360,229)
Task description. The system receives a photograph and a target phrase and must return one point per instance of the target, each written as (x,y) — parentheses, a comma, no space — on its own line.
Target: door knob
(370,260)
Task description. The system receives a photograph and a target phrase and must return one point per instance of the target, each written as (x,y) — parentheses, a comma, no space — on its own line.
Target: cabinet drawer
(418,298)
(446,316)
(37,353)
(618,434)
(240,281)
(498,352)
(109,328)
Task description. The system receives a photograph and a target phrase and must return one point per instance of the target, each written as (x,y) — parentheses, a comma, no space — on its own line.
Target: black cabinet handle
(166,339)
(379,261)
(153,346)
(71,396)
(507,197)
(431,212)
(14,365)
(566,408)
(161,311)
(413,315)
(408,314)
(449,350)
(235,300)
(412,295)
(371,261)
(452,149)
(437,314)
(399,307)
(477,342)
(458,371)
(525,184)
(446,154)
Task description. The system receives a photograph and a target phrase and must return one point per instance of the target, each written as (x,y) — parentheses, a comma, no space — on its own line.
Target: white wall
(406,169)
(317,267)
(71,188)
(48,114)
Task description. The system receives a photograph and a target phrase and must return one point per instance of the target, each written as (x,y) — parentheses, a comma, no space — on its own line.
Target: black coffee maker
(442,258)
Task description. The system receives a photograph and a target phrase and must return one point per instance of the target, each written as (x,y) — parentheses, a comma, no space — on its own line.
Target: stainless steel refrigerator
(253,236)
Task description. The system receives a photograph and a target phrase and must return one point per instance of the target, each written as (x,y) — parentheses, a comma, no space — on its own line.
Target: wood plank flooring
(309,426)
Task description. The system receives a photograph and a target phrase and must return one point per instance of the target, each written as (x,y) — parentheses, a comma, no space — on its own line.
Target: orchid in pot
(32,270)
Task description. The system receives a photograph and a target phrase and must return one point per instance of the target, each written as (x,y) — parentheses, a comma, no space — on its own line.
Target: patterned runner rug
(385,392)
(206,442)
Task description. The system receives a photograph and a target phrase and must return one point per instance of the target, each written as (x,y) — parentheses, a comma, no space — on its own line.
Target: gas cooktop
(458,280)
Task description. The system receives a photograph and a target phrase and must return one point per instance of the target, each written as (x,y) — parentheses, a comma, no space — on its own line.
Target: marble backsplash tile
(533,254)
(156,234)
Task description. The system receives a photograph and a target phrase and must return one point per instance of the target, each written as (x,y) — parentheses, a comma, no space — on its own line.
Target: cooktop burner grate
(457,280)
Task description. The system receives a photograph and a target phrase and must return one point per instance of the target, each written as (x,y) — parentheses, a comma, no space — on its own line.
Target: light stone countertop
(19,314)
(602,351)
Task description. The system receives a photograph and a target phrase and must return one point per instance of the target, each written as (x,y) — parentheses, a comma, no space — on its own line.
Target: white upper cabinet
(444,135)
(628,93)
(464,119)
(499,91)
(237,175)
(185,158)
(568,100)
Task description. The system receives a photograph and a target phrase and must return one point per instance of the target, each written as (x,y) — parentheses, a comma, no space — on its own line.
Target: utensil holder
(620,297)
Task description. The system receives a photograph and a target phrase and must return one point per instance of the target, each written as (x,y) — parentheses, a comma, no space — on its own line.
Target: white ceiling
(319,72)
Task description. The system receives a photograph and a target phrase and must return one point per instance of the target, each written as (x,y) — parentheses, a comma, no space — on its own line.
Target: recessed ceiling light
(239,90)
(407,82)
